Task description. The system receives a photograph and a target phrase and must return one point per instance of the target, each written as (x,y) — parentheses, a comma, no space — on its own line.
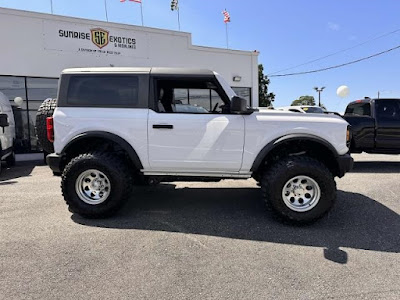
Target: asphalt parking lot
(200,241)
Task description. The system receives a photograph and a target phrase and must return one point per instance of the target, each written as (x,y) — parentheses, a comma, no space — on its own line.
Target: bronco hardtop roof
(153,71)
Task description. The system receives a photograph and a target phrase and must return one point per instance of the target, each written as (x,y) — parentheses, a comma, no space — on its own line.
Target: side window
(200,98)
(196,97)
(359,109)
(103,90)
(388,110)
(181,96)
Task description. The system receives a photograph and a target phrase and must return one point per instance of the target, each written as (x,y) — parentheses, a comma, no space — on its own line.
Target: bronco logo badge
(99,37)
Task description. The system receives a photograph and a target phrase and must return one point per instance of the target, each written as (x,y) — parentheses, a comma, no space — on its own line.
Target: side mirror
(239,105)
(4,121)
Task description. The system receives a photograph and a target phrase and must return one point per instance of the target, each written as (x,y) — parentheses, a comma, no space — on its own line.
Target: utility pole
(319,90)
(105,8)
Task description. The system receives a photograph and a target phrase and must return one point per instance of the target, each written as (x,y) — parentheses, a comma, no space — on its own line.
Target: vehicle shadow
(376,167)
(356,221)
(21,169)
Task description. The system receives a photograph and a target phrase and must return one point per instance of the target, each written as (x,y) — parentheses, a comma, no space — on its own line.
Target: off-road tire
(275,178)
(45,110)
(10,160)
(116,171)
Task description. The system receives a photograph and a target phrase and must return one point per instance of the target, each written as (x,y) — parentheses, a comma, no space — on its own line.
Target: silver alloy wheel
(93,187)
(301,193)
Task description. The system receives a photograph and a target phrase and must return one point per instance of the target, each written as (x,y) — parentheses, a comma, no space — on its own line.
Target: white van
(7,133)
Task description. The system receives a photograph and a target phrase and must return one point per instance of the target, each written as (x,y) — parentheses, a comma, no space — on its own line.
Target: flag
(227,17)
(174,5)
(137,1)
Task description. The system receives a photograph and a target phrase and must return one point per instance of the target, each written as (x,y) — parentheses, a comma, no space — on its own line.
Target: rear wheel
(96,185)
(299,189)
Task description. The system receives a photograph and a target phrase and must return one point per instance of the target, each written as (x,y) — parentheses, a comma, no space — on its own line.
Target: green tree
(304,100)
(264,98)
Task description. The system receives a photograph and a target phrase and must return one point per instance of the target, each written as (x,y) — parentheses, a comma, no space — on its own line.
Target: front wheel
(299,189)
(96,185)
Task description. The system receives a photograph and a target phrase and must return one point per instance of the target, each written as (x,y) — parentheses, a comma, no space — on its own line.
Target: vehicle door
(388,124)
(190,128)
(362,125)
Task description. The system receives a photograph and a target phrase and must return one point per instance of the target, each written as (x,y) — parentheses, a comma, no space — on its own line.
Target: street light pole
(319,90)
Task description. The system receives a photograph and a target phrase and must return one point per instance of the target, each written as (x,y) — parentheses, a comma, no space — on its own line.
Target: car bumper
(54,162)
(345,163)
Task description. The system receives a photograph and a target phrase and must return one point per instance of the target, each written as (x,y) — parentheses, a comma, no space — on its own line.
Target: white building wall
(31,46)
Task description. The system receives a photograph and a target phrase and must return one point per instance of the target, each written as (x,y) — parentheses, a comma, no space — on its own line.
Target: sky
(287,33)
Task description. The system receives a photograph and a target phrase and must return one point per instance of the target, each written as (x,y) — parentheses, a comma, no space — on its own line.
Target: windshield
(313,110)
(231,93)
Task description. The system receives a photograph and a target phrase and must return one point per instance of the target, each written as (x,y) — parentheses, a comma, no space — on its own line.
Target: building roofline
(188,35)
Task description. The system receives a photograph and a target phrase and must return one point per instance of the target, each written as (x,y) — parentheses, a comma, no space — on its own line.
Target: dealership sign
(62,36)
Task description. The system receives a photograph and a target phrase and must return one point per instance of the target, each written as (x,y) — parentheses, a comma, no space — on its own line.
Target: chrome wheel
(93,187)
(301,193)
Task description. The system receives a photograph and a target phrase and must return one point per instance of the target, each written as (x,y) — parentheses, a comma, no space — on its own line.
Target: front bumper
(345,163)
(54,162)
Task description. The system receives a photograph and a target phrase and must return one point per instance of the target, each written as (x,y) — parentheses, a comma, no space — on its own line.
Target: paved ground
(201,241)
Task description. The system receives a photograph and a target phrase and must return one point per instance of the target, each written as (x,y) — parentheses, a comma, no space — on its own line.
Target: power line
(337,66)
(340,51)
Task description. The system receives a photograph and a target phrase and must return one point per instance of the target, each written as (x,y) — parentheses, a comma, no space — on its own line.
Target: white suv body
(228,141)
(208,144)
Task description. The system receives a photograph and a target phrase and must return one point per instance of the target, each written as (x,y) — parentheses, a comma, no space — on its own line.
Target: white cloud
(333,26)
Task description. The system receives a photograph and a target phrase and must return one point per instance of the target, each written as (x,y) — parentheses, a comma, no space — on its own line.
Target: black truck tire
(96,185)
(45,110)
(299,189)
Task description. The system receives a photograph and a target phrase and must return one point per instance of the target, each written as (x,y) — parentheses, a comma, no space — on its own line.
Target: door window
(185,96)
(388,110)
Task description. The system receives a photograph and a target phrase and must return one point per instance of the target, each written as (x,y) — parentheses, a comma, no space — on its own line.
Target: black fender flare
(107,136)
(290,137)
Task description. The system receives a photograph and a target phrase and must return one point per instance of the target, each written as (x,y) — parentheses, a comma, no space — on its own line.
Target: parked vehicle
(7,131)
(112,125)
(375,125)
(309,109)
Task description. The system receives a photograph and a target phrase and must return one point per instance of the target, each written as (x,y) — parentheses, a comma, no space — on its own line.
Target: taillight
(50,129)
(348,136)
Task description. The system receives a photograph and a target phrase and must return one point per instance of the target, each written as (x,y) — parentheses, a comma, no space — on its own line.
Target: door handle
(163,126)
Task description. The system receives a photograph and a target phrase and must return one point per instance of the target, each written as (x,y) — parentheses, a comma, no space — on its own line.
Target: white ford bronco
(117,127)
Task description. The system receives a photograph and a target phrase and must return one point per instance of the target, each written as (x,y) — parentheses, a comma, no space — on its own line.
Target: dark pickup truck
(375,125)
